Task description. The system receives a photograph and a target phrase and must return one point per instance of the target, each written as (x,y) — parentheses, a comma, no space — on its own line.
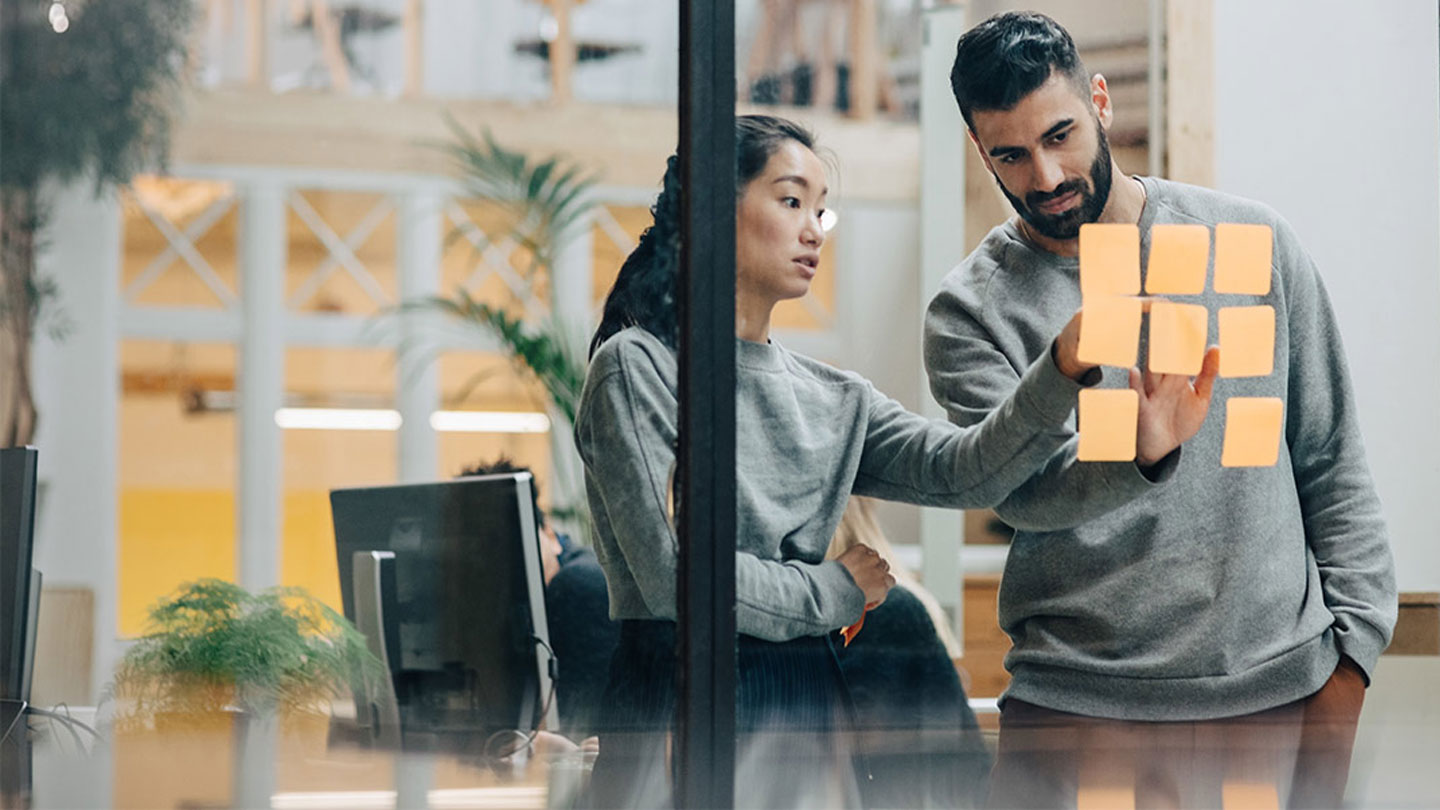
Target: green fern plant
(213,646)
(546,352)
(548,199)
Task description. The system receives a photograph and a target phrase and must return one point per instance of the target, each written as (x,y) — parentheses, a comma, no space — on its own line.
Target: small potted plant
(214,647)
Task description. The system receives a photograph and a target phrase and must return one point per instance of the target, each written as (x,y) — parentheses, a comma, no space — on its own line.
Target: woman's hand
(1172,408)
(870,572)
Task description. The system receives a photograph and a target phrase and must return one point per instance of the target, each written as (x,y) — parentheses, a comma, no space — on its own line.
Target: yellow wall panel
(167,537)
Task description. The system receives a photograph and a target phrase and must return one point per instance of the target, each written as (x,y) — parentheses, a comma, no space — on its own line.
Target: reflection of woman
(807,435)
(916,730)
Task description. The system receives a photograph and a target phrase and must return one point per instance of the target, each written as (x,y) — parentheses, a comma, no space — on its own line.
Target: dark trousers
(789,704)
(1296,755)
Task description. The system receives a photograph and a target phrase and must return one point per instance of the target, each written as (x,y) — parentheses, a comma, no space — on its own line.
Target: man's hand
(1065,347)
(870,572)
(1172,408)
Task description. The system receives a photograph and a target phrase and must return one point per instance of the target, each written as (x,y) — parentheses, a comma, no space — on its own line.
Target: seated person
(915,728)
(577,610)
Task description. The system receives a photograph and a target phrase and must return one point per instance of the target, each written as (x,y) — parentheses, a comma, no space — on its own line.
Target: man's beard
(1066,224)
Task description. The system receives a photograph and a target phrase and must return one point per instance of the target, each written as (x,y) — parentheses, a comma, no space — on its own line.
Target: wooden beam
(825,79)
(562,53)
(257,57)
(864,79)
(1190,91)
(414,48)
(327,32)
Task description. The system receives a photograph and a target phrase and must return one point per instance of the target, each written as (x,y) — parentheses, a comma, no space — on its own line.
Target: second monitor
(466,611)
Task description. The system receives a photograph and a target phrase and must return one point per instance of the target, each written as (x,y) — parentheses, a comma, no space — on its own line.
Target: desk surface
(1394,764)
(1395,760)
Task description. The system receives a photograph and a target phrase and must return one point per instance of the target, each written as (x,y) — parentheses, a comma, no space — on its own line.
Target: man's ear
(979,150)
(1100,98)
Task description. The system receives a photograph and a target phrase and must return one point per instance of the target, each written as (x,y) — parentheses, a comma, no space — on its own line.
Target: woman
(807,436)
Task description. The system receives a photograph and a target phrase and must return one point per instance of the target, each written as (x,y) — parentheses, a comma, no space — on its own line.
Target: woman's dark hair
(1007,57)
(644,292)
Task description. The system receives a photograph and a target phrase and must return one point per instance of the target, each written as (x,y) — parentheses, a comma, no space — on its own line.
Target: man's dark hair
(505,465)
(1007,57)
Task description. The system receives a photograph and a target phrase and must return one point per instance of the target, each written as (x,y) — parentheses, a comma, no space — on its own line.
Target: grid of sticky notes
(1110,283)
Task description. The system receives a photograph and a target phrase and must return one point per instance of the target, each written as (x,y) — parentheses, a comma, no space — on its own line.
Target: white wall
(878,262)
(77,394)
(1327,110)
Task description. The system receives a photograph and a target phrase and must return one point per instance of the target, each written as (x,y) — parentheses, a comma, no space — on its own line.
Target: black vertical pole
(705,711)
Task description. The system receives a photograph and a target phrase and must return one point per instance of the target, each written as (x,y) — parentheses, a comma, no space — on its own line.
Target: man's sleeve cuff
(833,577)
(1049,392)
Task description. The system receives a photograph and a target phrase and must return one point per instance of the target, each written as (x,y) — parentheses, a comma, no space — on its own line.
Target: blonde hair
(858,526)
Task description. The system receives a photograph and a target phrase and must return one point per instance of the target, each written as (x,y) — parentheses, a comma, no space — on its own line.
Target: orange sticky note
(1252,431)
(1107,419)
(1178,257)
(1093,797)
(1249,796)
(1109,260)
(1247,341)
(1110,331)
(1177,337)
(1242,258)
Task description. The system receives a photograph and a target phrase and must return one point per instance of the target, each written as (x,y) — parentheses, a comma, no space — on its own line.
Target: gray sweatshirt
(1228,590)
(807,435)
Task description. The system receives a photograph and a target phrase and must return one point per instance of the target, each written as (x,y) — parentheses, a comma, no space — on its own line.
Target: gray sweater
(1227,591)
(807,435)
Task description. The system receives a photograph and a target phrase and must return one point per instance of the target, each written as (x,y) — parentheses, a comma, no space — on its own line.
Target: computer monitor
(19,610)
(18,602)
(463,612)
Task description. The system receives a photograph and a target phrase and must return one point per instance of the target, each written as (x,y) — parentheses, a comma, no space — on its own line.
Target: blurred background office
(310,281)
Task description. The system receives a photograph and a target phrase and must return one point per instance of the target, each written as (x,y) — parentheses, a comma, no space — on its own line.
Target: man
(1245,607)
(577,609)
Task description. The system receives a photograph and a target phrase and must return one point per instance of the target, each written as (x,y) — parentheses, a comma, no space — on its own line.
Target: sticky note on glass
(1249,796)
(1252,431)
(1242,258)
(1179,255)
(1110,331)
(1107,419)
(1093,797)
(1177,337)
(1109,260)
(1247,341)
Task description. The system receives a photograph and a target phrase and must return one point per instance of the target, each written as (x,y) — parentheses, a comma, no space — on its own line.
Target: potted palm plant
(547,201)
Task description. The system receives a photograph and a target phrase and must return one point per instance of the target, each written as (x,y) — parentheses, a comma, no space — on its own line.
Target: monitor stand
(376,708)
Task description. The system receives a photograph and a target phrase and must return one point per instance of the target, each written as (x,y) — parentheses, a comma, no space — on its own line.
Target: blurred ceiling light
(828,219)
(489,422)
(58,20)
(175,198)
(486,798)
(390,419)
(338,419)
(549,27)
